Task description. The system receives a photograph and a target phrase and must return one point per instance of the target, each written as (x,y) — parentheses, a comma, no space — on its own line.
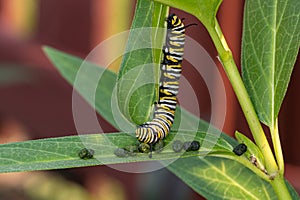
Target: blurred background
(36,102)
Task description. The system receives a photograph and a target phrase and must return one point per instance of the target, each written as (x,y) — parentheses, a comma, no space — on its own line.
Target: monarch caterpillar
(152,131)
(240,149)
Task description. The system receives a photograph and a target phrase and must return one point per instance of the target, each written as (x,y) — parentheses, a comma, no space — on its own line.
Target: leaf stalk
(277,147)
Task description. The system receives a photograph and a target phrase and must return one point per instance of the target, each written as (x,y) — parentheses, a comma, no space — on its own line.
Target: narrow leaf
(293,192)
(271,39)
(253,151)
(69,66)
(136,78)
(58,153)
(160,13)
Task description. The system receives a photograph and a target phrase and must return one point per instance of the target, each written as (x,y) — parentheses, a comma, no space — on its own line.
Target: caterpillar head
(173,21)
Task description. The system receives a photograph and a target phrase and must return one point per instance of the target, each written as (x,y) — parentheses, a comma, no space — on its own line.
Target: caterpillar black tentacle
(159,127)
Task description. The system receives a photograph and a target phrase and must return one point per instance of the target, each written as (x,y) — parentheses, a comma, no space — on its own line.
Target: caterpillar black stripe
(152,131)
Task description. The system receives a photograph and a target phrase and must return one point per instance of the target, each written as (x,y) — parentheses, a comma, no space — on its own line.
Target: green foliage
(271,39)
(160,13)
(59,153)
(136,78)
(253,151)
(55,153)
(69,67)
(87,80)
(224,179)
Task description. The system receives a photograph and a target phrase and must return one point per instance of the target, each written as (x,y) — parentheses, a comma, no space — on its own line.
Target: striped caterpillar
(159,127)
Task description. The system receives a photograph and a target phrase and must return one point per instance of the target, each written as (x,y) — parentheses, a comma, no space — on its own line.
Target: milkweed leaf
(271,39)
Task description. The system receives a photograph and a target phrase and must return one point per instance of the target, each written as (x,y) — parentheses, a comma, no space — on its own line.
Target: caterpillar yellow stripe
(159,127)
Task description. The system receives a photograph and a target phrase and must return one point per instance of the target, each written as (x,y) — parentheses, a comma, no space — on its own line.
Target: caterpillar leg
(151,149)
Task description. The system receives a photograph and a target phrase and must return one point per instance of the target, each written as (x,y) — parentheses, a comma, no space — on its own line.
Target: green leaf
(253,151)
(136,78)
(220,178)
(271,39)
(88,79)
(204,10)
(294,194)
(160,13)
(251,147)
(209,176)
(62,152)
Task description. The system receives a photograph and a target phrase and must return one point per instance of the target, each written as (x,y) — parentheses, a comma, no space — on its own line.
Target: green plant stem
(277,147)
(280,188)
(233,74)
(226,58)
